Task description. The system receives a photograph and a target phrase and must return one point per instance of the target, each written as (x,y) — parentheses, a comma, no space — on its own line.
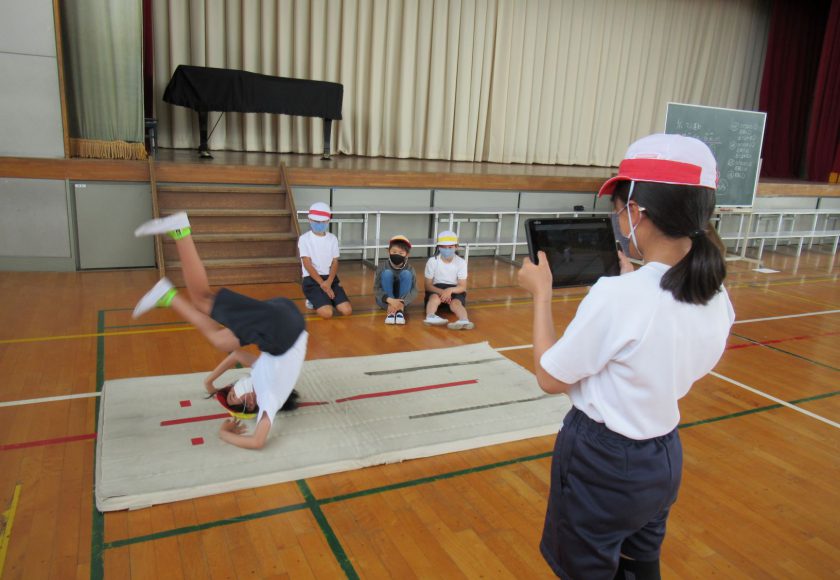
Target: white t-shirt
(320,249)
(632,351)
(274,376)
(442,272)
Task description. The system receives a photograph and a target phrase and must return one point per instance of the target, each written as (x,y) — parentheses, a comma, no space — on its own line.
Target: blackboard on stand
(735,138)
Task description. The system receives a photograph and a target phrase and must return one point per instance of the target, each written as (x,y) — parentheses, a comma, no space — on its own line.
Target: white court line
(520,347)
(48,399)
(788,316)
(821,312)
(501,349)
(776,400)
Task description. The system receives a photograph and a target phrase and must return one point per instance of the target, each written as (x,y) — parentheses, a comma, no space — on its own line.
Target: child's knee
(345,309)
(203,301)
(325,312)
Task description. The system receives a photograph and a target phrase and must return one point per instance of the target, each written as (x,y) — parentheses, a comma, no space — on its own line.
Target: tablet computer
(580,250)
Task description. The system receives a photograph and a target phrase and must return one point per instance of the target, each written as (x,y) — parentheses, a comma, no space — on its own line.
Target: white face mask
(621,238)
(243,386)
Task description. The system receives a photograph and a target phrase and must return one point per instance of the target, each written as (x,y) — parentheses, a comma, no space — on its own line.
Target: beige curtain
(103,61)
(526,81)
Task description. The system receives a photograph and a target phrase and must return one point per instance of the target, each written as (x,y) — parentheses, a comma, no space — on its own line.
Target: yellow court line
(9,516)
(791,296)
(503,304)
(94,335)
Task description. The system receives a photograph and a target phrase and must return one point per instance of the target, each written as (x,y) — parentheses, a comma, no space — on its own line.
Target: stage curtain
(787,87)
(530,81)
(824,131)
(102,42)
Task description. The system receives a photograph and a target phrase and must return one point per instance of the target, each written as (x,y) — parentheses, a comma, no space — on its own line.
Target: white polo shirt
(274,376)
(632,351)
(320,249)
(443,272)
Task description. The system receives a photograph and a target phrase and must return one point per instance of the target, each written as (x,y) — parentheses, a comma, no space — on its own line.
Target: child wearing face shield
(634,348)
(230,321)
(318,250)
(446,284)
(395,283)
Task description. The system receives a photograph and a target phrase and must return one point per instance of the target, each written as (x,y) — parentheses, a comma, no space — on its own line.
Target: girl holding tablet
(634,348)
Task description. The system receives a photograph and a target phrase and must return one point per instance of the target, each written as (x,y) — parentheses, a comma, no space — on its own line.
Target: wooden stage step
(244,233)
(229,271)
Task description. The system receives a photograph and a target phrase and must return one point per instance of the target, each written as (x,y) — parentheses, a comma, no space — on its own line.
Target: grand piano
(206,89)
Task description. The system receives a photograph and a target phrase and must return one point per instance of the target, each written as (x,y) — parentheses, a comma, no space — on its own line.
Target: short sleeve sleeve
(303,247)
(334,252)
(430,268)
(591,340)
(462,270)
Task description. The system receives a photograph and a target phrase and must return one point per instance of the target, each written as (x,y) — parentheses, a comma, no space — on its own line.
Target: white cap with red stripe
(662,158)
(319,212)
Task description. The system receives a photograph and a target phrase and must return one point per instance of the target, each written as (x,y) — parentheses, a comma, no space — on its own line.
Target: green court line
(98,545)
(326,529)
(433,478)
(314,503)
(204,526)
(97,536)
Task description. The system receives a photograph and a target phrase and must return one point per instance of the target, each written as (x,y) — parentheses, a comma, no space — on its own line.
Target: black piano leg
(327,132)
(203,149)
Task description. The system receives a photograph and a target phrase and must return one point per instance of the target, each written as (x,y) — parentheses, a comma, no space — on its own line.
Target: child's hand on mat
(626,266)
(536,278)
(232,426)
(208,384)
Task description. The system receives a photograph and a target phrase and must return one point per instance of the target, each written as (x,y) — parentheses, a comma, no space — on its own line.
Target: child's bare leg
(195,275)
(344,309)
(432,305)
(458,308)
(325,311)
(222,338)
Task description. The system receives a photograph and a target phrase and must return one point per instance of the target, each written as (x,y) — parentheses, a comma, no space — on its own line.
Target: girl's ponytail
(684,211)
(699,275)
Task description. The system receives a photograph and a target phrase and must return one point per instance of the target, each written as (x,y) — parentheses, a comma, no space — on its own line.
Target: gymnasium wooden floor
(760,497)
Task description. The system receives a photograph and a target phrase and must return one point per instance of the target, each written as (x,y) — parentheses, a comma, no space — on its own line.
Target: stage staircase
(245,234)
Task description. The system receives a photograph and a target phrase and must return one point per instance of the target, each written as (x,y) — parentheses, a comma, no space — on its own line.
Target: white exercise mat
(158,437)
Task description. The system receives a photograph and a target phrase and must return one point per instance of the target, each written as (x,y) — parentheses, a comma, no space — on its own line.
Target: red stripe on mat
(403,391)
(194,419)
(48,441)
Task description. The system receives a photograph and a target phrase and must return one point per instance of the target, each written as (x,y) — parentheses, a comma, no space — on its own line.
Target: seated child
(275,326)
(446,283)
(394,284)
(318,250)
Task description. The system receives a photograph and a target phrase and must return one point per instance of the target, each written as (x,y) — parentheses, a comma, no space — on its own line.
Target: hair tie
(697,234)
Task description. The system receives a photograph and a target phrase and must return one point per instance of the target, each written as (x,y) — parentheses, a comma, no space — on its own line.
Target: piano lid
(219,89)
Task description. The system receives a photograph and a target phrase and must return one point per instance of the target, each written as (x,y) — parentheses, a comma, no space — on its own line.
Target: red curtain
(787,86)
(824,132)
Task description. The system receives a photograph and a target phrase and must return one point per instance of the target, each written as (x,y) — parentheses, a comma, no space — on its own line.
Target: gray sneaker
(460,325)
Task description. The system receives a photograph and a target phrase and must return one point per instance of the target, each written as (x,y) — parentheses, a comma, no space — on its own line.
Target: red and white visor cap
(662,158)
(320,212)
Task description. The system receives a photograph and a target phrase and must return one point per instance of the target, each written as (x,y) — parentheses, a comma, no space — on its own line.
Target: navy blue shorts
(462,296)
(610,495)
(273,325)
(316,295)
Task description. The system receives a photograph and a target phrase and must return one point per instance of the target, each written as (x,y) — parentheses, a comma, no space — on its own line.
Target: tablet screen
(579,250)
